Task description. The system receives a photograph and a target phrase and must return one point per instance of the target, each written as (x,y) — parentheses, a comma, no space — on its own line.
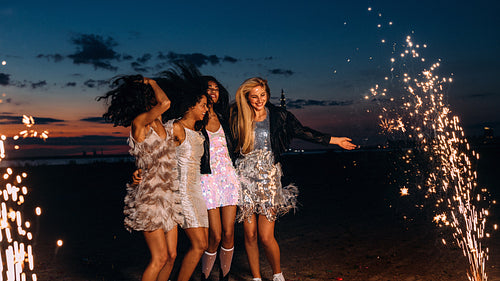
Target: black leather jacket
(284,126)
(205,159)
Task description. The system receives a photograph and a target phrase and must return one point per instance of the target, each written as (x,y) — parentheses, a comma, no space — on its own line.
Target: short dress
(155,202)
(261,190)
(221,187)
(188,154)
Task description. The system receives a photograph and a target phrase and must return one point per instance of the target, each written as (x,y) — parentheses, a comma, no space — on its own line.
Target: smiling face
(200,109)
(213,91)
(257,98)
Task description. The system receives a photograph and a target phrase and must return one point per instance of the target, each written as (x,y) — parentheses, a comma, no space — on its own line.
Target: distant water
(70,160)
(81,160)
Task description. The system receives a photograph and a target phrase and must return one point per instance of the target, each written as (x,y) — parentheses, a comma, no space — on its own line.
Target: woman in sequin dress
(219,182)
(152,206)
(263,132)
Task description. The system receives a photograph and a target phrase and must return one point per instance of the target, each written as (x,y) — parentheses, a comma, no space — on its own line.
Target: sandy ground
(351,225)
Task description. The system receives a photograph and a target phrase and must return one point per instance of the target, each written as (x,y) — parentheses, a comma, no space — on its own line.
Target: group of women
(201,158)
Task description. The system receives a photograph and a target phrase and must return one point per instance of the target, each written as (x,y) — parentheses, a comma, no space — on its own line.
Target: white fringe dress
(154,203)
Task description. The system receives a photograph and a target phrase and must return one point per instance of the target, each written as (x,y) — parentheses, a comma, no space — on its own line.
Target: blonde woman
(262,132)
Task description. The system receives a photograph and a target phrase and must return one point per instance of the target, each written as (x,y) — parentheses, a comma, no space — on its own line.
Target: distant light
(38,211)
(369,8)
(383,40)
(390,23)
(59,243)
(4,62)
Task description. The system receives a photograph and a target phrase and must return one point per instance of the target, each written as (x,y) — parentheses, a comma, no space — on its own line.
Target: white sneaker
(278,277)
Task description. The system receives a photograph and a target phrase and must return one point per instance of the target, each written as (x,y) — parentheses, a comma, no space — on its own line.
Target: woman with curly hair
(153,206)
(167,192)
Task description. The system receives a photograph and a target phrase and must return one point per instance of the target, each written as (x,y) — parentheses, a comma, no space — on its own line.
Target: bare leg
(215,230)
(228,218)
(252,245)
(271,248)
(157,245)
(199,243)
(171,238)
(227,248)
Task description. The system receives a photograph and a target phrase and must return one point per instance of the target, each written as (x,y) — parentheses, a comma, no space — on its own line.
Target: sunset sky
(58,56)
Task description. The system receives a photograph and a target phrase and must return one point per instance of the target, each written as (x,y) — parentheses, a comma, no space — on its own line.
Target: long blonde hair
(243,120)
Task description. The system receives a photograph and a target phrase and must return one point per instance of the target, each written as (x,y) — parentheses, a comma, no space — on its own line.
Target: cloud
(482,95)
(4,79)
(10,119)
(301,103)
(279,71)
(98,120)
(94,50)
(229,59)
(71,84)
(145,58)
(127,57)
(91,83)
(139,67)
(197,59)
(55,57)
(38,84)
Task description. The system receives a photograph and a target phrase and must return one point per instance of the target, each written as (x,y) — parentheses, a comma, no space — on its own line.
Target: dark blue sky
(58,54)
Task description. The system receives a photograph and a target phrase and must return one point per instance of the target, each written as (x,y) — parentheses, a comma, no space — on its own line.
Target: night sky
(58,56)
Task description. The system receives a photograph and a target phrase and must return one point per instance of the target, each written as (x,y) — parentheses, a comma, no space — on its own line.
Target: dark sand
(350,225)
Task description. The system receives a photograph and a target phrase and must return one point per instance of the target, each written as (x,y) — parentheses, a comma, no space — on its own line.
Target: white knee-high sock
(207,263)
(225,257)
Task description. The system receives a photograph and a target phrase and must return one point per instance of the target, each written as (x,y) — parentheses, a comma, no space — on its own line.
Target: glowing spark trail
(16,255)
(423,118)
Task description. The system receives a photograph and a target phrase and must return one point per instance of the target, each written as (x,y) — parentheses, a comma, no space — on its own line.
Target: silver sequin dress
(155,202)
(261,190)
(189,152)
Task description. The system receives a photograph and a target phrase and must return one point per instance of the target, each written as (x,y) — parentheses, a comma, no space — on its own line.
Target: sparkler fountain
(16,256)
(439,153)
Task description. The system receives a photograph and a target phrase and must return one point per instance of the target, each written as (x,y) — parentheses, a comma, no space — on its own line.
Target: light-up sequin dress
(261,190)
(221,187)
(189,152)
(155,202)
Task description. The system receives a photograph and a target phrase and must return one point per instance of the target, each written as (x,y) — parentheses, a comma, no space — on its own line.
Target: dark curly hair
(222,104)
(183,85)
(186,86)
(129,98)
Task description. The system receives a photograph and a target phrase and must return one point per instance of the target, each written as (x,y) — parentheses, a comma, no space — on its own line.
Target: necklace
(184,125)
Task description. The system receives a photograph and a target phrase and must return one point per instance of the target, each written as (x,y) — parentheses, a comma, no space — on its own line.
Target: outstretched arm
(309,134)
(343,142)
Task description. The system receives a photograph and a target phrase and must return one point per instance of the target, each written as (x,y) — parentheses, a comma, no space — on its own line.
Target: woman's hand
(343,142)
(136,176)
(148,81)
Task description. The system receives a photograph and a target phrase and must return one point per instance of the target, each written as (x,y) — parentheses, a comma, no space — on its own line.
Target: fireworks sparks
(16,257)
(404,191)
(15,233)
(29,121)
(440,146)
